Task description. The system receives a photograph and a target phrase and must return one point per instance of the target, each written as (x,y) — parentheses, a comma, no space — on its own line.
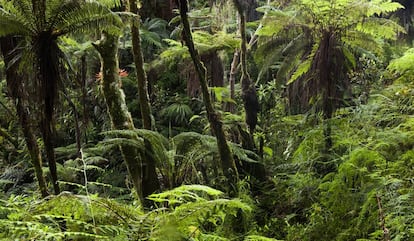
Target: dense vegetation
(207,120)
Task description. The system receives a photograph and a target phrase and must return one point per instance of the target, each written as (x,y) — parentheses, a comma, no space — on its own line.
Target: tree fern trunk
(119,114)
(227,161)
(139,67)
(15,85)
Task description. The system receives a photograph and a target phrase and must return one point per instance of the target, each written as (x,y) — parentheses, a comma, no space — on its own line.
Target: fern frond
(404,64)
(305,65)
(12,24)
(380,28)
(277,20)
(184,194)
(75,18)
(378,7)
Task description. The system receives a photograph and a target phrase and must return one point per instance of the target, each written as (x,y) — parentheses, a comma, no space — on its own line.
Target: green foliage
(196,159)
(177,114)
(200,213)
(404,66)
(291,35)
(70,17)
(204,42)
(370,163)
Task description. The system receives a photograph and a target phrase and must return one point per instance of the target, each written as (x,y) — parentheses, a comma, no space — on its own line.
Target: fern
(403,65)
(68,216)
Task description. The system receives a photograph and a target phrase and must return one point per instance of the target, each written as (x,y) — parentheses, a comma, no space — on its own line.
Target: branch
(385,230)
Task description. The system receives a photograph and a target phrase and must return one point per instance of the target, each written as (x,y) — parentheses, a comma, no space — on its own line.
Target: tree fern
(357,28)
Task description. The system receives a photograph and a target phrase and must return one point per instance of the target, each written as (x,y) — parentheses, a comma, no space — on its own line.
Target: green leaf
(403,64)
(349,56)
(302,69)
(268,151)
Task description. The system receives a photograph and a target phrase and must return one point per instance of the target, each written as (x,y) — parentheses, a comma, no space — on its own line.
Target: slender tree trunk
(249,95)
(119,114)
(232,80)
(150,180)
(250,100)
(139,67)
(227,161)
(17,92)
(83,74)
(78,134)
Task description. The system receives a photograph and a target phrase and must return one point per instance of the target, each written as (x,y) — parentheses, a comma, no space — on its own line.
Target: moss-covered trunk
(227,161)
(120,116)
(16,89)
(150,179)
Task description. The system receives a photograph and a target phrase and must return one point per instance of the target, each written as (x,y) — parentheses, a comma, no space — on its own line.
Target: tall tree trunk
(150,181)
(47,76)
(250,100)
(249,95)
(17,92)
(227,161)
(120,116)
(139,67)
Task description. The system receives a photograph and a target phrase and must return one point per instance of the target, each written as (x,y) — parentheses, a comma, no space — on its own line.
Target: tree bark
(48,77)
(227,161)
(249,95)
(139,67)
(17,92)
(232,80)
(121,118)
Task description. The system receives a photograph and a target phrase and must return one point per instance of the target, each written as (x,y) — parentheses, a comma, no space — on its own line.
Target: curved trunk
(227,162)
(145,182)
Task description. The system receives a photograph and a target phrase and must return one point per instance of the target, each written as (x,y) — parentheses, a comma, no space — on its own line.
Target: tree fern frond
(148,143)
(156,145)
(155,25)
(360,40)
(186,193)
(24,10)
(75,18)
(150,37)
(305,65)
(380,28)
(185,141)
(116,142)
(11,24)
(404,64)
(302,69)
(349,56)
(377,7)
